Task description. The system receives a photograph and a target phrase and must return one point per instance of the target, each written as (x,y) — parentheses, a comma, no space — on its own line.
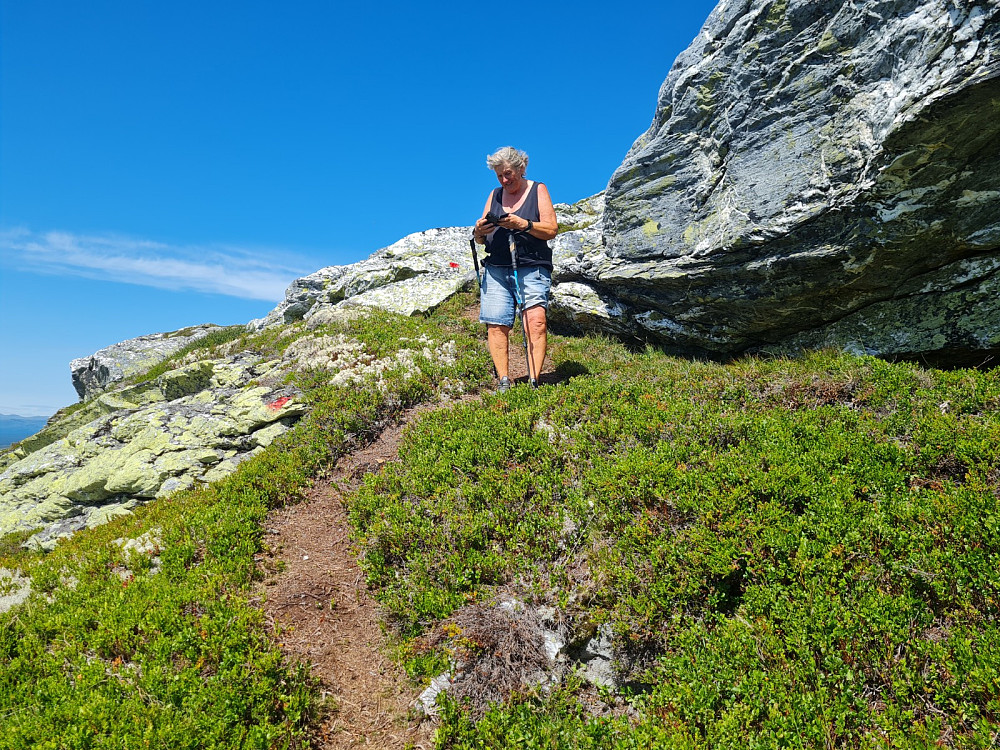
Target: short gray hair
(510,156)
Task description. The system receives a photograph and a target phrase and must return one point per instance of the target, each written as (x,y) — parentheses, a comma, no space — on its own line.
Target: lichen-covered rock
(411,296)
(413,275)
(162,437)
(147,546)
(185,380)
(579,245)
(93,374)
(419,272)
(817,172)
(14,589)
(351,364)
(193,424)
(580,215)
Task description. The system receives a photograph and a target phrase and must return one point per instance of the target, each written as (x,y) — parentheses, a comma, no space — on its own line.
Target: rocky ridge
(422,270)
(193,424)
(93,374)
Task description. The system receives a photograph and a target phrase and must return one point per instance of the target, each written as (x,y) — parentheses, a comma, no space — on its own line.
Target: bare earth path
(321,613)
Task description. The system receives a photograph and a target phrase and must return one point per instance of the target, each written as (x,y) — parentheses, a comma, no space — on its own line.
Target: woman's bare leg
(497,339)
(535,322)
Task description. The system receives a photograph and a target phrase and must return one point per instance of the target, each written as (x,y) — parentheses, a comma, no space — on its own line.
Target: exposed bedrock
(817,173)
(193,424)
(410,276)
(94,374)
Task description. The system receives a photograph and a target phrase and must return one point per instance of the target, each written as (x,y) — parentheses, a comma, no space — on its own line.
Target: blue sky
(168,164)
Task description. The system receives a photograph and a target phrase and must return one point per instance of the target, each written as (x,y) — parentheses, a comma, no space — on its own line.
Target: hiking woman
(527,214)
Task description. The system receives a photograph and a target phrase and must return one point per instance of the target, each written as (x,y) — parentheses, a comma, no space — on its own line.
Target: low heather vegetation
(159,644)
(792,552)
(798,552)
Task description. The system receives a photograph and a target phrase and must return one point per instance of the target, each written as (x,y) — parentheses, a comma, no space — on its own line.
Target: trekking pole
(520,309)
(475,259)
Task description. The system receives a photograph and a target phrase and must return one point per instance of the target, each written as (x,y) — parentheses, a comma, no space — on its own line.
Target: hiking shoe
(534,383)
(504,385)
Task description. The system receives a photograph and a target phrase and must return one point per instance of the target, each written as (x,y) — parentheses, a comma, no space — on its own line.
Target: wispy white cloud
(236,272)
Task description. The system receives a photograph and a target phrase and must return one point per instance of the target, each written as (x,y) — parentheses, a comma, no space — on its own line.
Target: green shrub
(790,552)
(114,650)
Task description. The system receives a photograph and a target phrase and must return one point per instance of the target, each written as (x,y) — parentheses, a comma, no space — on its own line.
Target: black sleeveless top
(531,251)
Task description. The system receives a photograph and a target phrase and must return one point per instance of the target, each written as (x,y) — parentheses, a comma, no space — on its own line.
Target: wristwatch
(530,225)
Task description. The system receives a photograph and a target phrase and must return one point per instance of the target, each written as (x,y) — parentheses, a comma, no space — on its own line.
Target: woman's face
(510,178)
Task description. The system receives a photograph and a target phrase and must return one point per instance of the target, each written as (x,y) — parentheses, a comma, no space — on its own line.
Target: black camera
(492,218)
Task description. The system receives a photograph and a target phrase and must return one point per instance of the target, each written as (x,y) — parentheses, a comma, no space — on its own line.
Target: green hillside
(793,552)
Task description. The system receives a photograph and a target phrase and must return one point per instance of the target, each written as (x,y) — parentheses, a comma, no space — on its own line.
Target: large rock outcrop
(93,374)
(817,172)
(194,423)
(410,276)
(422,270)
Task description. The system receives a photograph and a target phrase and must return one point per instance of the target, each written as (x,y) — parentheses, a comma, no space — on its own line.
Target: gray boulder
(411,276)
(422,270)
(576,250)
(93,374)
(818,172)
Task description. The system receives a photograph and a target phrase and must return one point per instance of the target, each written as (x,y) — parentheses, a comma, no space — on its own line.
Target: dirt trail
(321,613)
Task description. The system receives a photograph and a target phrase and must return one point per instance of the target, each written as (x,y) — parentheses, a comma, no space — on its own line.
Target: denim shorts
(497,304)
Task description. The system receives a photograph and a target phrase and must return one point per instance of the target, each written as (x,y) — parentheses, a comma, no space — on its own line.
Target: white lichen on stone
(14,589)
(147,544)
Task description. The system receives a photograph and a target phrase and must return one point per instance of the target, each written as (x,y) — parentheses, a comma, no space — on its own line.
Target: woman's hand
(514,223)
(481,229)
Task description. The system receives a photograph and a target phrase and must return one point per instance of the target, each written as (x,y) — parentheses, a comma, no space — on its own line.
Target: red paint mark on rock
(453,264)
(279,403)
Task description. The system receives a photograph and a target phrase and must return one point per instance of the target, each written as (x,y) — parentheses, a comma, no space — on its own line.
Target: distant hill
(14,427)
